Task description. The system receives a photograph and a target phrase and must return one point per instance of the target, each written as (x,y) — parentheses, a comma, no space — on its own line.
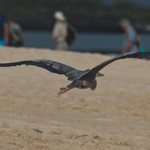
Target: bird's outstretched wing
(51,66)
(139,55)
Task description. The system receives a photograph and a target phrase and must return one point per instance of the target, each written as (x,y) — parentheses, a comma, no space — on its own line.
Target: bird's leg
(63,90)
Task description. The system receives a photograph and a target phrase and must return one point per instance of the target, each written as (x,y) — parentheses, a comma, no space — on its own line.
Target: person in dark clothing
(16,37)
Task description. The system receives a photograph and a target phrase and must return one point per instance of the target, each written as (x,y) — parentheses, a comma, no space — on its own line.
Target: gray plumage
(80,79)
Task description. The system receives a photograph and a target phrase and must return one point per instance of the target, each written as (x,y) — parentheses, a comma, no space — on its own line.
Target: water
(94,42)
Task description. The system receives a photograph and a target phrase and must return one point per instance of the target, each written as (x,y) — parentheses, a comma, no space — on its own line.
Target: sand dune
(116,116)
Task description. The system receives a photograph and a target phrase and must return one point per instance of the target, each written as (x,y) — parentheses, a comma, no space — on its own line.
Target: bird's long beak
(100,74)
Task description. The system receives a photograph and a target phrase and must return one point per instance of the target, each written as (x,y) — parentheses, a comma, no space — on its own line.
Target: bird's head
(99,74)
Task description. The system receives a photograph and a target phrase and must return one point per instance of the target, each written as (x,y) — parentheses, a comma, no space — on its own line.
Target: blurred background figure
(4,32)
(95,20)
(59,33)
(131,41)
(16,37)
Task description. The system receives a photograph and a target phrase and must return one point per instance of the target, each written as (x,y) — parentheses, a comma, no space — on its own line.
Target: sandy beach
(116,116)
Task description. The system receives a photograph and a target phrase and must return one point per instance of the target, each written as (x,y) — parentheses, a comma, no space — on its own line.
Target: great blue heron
(80,79)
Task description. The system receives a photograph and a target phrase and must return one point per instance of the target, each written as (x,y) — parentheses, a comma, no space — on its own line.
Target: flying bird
(81,79)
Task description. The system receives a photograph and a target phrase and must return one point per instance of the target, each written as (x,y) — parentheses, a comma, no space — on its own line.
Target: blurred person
(131,41)
(4,32)
(59,33)
(16,37)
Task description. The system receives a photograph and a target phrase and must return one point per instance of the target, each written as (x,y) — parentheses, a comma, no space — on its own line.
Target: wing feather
(139,55)
(51,66)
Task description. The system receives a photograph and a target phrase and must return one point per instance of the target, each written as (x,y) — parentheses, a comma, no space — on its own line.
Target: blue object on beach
(2,42)
(142,49)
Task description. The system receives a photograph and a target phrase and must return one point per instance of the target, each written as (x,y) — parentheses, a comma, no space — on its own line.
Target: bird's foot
(62,90)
